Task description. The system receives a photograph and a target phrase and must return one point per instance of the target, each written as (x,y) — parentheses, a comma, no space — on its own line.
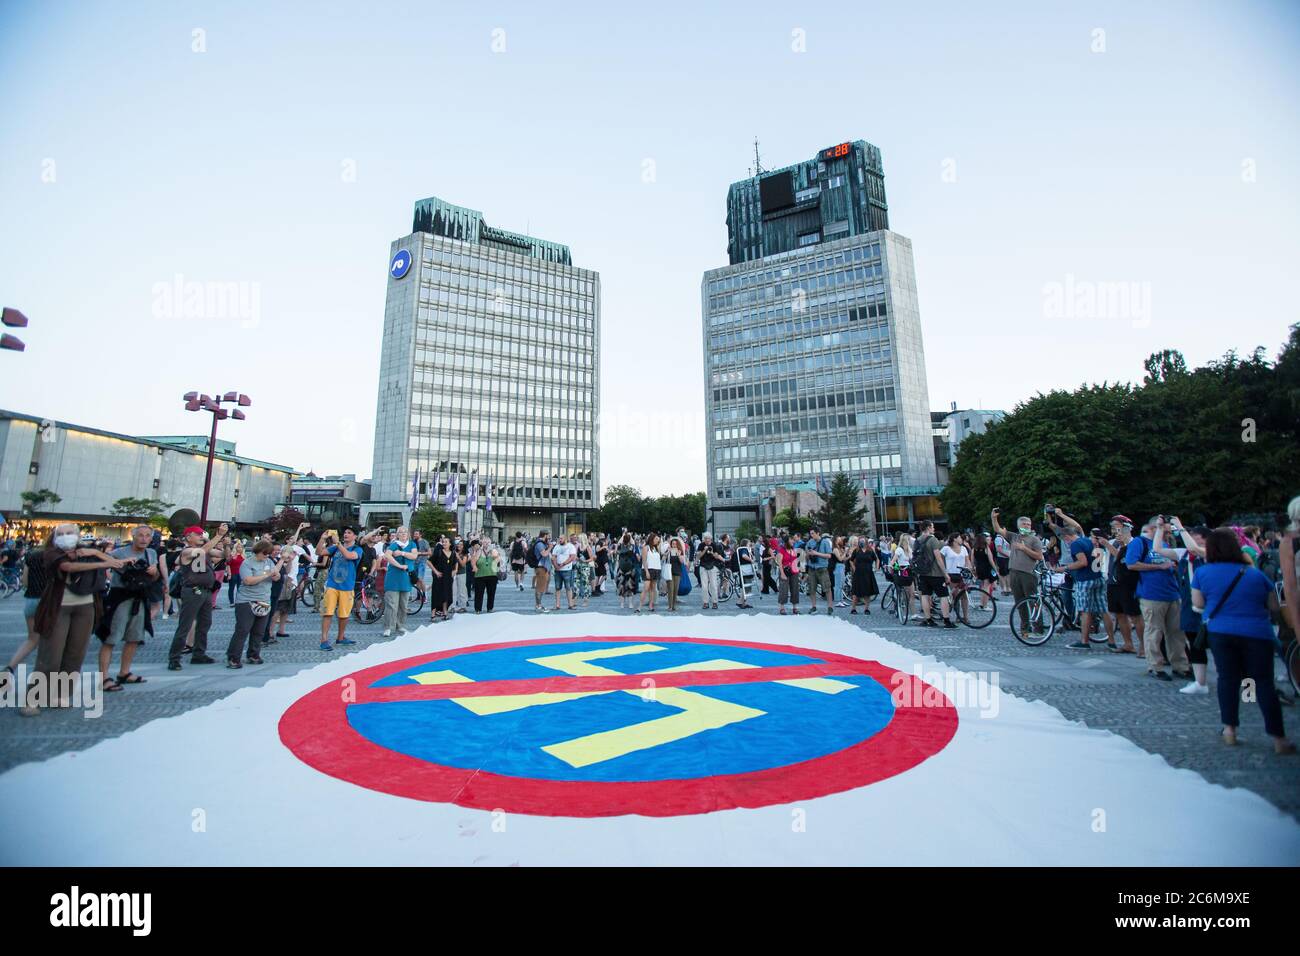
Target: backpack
(923,558)
(532,557)
(517,551)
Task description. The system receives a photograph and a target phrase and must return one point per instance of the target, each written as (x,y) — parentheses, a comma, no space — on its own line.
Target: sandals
(129,678)
(111,685)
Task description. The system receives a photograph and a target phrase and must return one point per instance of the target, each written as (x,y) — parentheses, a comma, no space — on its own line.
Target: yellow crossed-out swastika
(697,712)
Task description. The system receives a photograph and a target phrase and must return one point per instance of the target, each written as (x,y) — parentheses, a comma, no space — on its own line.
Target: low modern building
(89,469)
(814,361)
(489,370)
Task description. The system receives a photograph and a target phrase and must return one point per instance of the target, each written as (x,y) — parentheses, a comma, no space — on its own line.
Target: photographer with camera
(198,588)
(1026,552)
(253,603)
(340,584)
(126,609)
(65,615)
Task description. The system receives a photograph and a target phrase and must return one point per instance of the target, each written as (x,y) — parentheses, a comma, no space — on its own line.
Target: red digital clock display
(836,152)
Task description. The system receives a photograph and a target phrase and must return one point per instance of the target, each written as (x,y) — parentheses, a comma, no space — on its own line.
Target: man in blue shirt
(340,583)
(819,574)
(401,560)
(1089,586)
(1158,596)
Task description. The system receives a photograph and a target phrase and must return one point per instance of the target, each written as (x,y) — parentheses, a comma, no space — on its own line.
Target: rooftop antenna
(758,166)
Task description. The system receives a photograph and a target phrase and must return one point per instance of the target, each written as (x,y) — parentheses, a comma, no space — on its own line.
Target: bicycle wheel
(724,588)
(368,607)
(1042,621)
(415,602)
(902,606)
(889,600)
(308,596)
(977,616)
(1292,661)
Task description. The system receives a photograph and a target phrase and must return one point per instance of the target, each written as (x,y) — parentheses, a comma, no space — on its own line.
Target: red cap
(194,529)
(1122,519)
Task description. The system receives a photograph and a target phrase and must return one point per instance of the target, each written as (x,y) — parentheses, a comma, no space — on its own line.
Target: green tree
(432,521)
(840,513)
(34,501)
(748,529)
(1205,443)
(147,510)
(788,519)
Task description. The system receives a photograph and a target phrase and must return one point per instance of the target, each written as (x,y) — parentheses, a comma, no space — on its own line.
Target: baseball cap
(1123,519)
(194,529)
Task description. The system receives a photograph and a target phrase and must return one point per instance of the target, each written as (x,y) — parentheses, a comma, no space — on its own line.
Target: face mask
(66,541)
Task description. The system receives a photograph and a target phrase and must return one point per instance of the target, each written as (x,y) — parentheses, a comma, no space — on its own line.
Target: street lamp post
(197,402)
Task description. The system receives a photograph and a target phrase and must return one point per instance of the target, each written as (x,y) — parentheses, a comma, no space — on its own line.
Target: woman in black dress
(602,566)
(444,566)
(862,560)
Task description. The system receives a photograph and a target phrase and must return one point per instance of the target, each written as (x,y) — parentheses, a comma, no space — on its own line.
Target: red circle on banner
(316,729)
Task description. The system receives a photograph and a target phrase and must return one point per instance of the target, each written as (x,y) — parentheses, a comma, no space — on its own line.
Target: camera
(1049,510)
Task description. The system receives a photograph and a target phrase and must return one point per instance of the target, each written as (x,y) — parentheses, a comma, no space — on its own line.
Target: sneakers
(173,665)
(830,610)
(1194,689)
(928,622)
(1160,675)
(326,646)
(1078,646)
(388,633)
(543,610)
(949,624)
(344,640)
(234,665)
(202,659)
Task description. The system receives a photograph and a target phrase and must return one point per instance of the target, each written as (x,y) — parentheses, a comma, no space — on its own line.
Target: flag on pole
(415,489)
(487,493)
(453,489)
(471,493)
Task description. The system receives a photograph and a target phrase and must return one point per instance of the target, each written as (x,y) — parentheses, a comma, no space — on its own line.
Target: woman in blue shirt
(1241,632)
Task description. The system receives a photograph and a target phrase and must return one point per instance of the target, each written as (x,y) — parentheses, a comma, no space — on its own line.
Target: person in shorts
(563,557)
(340,583)
(519,558)
(127,608)
(933,583)
(1121,586)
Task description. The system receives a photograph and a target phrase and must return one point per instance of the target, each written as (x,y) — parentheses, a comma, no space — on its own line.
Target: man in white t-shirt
(563,556)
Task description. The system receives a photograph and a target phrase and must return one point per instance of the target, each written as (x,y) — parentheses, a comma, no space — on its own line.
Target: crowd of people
(1168,593)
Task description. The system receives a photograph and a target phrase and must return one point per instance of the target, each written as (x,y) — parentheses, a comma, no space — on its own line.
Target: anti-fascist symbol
(598,726)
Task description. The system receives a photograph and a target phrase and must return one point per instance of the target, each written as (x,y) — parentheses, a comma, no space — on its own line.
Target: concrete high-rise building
(812,338)
(490,364)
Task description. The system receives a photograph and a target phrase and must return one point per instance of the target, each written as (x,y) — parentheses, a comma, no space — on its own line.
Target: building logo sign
(400,265)
(602,726)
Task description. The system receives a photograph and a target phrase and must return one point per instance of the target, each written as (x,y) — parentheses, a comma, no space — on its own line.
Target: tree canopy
(626,507)
(1205,444)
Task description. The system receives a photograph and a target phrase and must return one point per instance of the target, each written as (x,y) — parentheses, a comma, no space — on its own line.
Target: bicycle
(896,600)
(369,604)
(10,581)
(1042,611)
(974,615)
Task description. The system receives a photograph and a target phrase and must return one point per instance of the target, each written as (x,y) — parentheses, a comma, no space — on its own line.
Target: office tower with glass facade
(490,363)
(812,339)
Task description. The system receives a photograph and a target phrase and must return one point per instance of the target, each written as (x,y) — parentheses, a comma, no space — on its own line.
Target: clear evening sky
(1037,155)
